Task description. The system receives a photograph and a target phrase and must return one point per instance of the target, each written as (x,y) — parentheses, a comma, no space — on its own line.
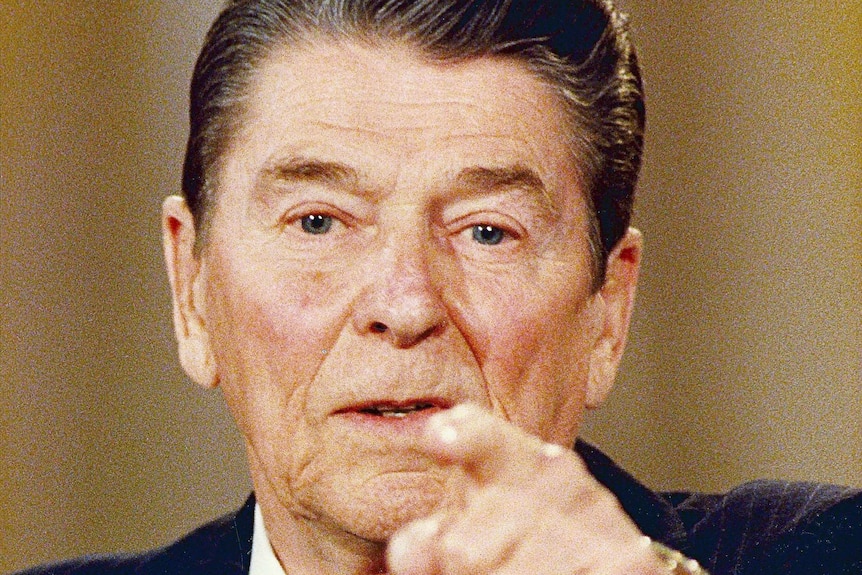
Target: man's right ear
(186,274)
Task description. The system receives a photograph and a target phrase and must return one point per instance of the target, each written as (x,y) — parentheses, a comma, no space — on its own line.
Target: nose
(401,301)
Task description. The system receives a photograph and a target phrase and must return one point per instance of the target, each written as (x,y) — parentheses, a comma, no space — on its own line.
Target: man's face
(392,237)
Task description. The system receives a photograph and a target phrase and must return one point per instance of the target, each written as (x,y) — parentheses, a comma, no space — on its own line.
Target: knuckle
(461,554)
(494,524)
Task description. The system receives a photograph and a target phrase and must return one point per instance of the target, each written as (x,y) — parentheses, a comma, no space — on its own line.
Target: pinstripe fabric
(767,527)
(759,528)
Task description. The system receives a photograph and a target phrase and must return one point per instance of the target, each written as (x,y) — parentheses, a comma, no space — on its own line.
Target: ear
(185,271)
(616,297)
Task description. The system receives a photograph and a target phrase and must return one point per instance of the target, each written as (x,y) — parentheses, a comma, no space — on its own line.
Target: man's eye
(488,235)
(316,224)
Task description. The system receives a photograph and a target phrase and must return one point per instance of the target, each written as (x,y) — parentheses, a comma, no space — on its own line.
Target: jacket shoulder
(222,547)
(766,527)
(117,564)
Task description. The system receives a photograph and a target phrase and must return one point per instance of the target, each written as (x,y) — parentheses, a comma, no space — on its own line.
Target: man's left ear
(617,296)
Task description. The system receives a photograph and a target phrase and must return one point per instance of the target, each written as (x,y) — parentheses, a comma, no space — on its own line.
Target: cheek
(534,348)
(269,330)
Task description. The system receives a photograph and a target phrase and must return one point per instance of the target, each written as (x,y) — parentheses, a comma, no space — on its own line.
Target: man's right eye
(316,224)
(488,235)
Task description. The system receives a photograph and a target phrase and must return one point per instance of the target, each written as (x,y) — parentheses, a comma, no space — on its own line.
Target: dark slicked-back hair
(581,49)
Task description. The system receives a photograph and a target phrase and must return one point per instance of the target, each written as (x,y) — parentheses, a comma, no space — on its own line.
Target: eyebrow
(481,179)
(501,178)
(311,170)
(516,177)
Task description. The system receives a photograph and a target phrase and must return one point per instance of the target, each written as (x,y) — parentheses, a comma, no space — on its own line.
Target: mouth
(396,409)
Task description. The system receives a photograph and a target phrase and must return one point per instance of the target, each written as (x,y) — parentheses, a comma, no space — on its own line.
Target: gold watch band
(676,562)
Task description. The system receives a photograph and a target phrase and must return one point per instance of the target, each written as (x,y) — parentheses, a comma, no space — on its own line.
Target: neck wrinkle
(306,545)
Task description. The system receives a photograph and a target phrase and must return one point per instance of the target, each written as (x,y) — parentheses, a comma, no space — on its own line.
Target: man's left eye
(488,235)
(316,224)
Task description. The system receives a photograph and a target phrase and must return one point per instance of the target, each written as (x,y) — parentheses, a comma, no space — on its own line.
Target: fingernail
(552,450)
(443,427)
(397,552)
(447,434)
(425,528)
(401,546)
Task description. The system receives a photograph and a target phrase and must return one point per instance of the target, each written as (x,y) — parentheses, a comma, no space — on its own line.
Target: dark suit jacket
(759,528)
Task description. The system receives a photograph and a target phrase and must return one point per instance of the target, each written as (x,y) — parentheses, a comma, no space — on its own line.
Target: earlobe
(616,297)
(186,274)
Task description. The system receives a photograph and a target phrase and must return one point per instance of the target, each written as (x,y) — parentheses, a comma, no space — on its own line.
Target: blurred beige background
(746,359)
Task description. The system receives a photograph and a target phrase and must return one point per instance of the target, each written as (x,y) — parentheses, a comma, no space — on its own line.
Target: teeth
(397,412)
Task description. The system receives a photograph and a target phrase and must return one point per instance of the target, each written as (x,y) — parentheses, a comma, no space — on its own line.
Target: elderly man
(404,255)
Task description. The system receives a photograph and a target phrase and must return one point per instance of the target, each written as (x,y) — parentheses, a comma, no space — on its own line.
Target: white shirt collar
(263,559)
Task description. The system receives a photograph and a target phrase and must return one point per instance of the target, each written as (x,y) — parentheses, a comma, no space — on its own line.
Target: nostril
(378,327)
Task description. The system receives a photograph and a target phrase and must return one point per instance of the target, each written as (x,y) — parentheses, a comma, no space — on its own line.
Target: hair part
(582,49)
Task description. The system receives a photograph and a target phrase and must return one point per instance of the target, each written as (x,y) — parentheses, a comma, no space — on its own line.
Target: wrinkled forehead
(393,94)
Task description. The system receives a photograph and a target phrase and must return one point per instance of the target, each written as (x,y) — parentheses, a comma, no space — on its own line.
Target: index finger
(490,449)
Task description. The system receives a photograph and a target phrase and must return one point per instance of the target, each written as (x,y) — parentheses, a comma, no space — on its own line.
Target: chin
(384,504)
